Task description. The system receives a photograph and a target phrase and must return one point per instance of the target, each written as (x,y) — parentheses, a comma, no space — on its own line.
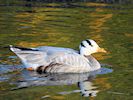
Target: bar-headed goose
(57,59)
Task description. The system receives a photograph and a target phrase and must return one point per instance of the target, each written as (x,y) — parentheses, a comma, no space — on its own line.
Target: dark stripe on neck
(79,52)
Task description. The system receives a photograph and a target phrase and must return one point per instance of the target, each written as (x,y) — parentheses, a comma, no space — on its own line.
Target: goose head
(87,47)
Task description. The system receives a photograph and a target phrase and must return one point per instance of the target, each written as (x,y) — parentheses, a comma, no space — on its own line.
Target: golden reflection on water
(22,15)
(96,4)
(29,44)
(130,35)
(103,83)
(37,22)
(53,39)
(98,38)
(97,26)
(58,97)
(32,34)
(35,44)
(34,19)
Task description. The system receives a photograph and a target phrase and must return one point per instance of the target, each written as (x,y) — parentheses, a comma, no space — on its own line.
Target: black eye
(82,44)
(89,42)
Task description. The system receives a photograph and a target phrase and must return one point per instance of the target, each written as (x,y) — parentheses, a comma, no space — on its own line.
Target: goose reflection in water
(83,81)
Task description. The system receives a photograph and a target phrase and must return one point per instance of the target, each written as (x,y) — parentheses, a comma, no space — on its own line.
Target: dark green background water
(32,24)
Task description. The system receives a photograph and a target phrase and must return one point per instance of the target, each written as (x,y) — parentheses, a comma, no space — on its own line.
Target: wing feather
(69,63)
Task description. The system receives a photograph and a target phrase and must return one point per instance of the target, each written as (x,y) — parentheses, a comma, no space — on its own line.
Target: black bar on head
(88,42)
(82,44)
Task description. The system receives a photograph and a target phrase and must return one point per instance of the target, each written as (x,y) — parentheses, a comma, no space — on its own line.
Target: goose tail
(30,57)
(16,49)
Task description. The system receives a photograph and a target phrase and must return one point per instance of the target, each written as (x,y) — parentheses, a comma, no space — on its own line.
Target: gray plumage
(57,59)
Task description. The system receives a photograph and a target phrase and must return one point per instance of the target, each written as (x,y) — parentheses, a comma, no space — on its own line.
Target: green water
(28,24)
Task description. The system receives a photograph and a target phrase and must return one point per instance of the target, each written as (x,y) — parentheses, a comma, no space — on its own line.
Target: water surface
(31,24)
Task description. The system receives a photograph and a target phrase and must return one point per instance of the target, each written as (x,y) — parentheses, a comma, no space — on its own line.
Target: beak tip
(105,51)
(102,50)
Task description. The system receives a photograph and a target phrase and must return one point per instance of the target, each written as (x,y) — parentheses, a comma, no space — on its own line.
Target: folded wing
(30,57)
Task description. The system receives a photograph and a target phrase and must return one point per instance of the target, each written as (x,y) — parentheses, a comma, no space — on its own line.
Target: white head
(87,47)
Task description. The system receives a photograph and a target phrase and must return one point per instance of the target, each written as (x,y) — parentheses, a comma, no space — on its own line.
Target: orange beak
(101,50)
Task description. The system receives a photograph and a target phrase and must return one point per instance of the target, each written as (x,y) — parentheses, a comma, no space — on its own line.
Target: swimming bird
(56,59)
